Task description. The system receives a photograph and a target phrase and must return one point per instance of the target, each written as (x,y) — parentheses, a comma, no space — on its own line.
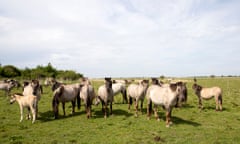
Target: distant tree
(26,73)
(162,77)
(212,76)
(69,75)
(10,71)
(38,72)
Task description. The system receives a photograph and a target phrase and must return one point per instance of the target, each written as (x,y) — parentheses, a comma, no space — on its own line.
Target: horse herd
(167,95)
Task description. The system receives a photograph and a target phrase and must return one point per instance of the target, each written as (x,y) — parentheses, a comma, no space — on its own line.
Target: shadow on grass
(49,116)
(213,108)
(177,120)
(115,112)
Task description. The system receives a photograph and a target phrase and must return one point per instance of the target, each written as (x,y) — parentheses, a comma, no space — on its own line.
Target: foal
(29,101)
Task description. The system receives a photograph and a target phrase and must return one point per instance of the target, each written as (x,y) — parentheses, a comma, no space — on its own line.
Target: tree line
(39,72)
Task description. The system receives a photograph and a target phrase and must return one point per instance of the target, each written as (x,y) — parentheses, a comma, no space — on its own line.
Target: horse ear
(195,80)
(199,87)
(107,78)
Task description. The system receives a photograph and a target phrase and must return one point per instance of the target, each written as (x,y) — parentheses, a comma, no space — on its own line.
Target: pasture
(190,124)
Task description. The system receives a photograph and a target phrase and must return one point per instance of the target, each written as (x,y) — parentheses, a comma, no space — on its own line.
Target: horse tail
(78,99)
(55,103)
(220,99)
(149,107)
(88,100)
(130,100)
(125,96)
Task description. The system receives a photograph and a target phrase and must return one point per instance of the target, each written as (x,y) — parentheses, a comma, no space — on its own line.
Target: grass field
(190,124)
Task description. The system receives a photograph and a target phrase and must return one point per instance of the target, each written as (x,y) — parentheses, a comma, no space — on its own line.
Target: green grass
(190,124)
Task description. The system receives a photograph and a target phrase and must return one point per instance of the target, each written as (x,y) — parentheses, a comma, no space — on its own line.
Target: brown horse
(208,93)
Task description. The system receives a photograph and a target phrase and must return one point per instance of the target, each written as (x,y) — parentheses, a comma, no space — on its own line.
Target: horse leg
(200,103)
(149,108)
(89,111)
(103,104)
(216,101)
(28,114)
(33,114)
(73,106)
(63,107)
(105,110)
(110,108)
(168,117)
(156,113)
(220,102)
(124,94)
(130,103)
(21,113)
(36,110)
(136,108)
(141,108)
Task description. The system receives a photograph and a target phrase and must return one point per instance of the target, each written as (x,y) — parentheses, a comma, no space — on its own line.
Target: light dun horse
(29,101)
(32,88)
(137,92)
(120,87)
(105,96)
(165,96)
(87,94)
(63,94)
(208,93)
(7,85)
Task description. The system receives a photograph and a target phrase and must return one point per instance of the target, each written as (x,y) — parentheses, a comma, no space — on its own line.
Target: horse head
(155,81)
(12,99)
(108,84)
(197,88)
(55,102)
(36,86)
(55,85)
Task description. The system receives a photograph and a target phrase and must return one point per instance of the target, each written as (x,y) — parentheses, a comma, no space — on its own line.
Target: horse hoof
(167,126)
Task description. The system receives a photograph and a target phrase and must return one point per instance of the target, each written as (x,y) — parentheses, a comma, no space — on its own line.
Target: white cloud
(120,37)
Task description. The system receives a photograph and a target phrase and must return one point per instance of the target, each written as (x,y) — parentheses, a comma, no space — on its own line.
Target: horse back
(208,93)
(162,96)
(135,90)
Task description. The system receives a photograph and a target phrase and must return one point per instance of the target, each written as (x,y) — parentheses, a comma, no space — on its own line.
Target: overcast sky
(123,38)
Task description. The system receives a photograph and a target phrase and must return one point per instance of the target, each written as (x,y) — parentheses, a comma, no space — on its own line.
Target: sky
(123,38)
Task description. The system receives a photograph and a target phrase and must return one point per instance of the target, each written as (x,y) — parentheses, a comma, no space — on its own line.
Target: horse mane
(20,94)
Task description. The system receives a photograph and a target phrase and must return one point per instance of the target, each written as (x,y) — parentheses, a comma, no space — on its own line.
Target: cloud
(122,38)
